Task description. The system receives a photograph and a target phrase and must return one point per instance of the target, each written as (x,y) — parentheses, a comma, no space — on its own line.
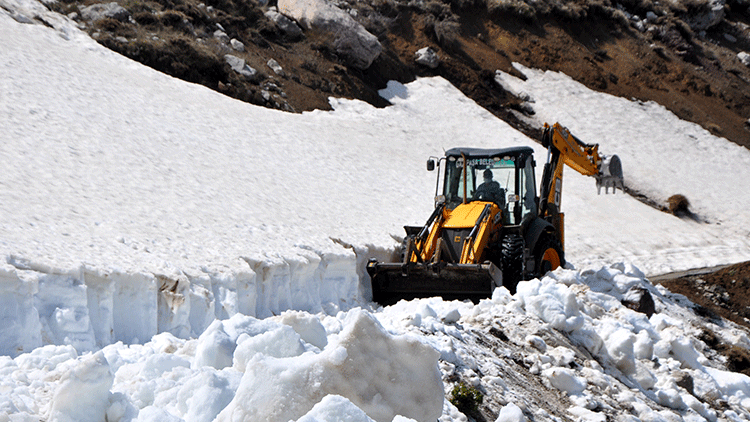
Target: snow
(173,254)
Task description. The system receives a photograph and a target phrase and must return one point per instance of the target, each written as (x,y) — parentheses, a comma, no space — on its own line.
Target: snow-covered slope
(133,204)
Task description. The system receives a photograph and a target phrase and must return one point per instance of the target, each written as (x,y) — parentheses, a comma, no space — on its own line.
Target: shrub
(447,32)
(466,399)
(115,28)
(145,18)
(512,7)
(173,18)
(437,9)
(678,205)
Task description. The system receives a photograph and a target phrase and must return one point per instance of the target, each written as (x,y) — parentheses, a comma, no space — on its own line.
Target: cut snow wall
(90,308)
(20,329)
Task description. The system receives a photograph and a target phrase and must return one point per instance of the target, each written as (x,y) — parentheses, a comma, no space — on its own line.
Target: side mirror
(430,164)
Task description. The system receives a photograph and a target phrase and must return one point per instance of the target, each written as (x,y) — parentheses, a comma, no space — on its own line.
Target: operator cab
(504,176)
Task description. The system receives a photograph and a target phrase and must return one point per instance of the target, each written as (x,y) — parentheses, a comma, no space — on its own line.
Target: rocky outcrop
(238,65)
(286,25)
(427,57)
(348,38)
(708,15)
(112,10)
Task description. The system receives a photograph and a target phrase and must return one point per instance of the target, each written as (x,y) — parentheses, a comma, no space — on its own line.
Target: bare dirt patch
(723,293)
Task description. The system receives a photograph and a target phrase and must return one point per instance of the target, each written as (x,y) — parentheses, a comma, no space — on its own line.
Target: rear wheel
(548,255)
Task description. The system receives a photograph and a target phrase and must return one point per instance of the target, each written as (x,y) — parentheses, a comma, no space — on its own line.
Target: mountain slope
(683,55)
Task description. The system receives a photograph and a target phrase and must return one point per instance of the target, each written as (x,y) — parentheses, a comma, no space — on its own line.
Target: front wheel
(548,255)
(512,261)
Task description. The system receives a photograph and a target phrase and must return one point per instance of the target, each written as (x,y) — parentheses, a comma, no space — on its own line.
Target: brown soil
(723,293)
(699,79)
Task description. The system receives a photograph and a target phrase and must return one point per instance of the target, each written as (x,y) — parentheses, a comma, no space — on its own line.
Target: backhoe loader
(489,227)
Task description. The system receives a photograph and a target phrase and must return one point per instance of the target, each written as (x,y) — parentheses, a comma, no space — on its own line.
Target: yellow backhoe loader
(489,227)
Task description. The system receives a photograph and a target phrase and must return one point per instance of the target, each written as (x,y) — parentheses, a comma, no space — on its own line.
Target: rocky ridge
(690,56)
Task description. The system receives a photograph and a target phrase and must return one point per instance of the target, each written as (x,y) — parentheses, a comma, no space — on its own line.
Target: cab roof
(489,152)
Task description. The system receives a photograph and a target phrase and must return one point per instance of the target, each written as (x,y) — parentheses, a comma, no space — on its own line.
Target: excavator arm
(564,148)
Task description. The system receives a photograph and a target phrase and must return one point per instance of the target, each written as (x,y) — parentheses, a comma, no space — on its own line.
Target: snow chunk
(620,348)
(280,343)
(217,344)
(585,415)
(565,379)
(554,303)
(733,384)
(383,375)
(309,327)
(334,408)
(83,394)
(510,413)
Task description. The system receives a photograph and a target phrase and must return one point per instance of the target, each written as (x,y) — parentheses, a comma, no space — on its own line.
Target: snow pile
(570,331)
(239,369)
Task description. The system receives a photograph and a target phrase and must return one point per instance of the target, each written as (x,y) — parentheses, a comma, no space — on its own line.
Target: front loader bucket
(394,281)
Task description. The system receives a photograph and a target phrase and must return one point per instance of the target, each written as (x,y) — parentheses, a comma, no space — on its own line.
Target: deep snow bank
(562,345)
(277,369)
(89,309)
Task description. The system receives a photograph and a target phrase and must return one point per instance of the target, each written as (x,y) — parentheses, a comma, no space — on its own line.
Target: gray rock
(651,16)
(221,35)
(640,300)
(105,10)
(744,58)
(427,57)
(348,38)
(276,67)
(237,45)
(730,38)
(238,65)
(707,16)
(285,24)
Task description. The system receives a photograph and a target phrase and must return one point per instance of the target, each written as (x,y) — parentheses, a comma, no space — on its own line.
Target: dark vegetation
(467,399)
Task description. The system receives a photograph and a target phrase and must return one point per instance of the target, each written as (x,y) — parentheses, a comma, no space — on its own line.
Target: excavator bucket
(394,281)
(610,175)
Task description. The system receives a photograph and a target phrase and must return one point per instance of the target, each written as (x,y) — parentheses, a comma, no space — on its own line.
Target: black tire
(548,255)
(511,261)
